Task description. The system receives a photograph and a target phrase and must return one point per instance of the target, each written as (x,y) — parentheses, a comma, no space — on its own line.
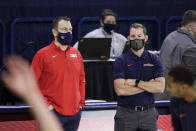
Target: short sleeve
(174,118)
(118,69)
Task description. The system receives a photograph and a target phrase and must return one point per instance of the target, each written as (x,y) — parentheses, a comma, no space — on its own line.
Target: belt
(139,108)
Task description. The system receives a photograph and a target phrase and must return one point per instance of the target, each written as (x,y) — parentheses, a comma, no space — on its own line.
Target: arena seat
(172,24)
(87,24)
(24,30)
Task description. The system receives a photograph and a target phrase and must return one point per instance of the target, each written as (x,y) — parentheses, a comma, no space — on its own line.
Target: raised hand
(18,78)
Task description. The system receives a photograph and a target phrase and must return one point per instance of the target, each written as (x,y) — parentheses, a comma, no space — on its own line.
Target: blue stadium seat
(24,30)
(172,24)
(152,24)
(2,42)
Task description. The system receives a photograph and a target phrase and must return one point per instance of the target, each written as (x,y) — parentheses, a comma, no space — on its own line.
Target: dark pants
(131,120)
(69,123)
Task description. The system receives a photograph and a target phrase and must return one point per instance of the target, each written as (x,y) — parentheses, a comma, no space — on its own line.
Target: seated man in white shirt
(108,22)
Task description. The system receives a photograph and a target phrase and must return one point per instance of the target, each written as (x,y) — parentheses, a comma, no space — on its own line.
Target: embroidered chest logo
(54,56)
(148,64)
(181,115)
(72,55)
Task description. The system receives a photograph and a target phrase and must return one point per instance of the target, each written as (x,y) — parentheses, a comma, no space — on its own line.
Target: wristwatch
(137,82)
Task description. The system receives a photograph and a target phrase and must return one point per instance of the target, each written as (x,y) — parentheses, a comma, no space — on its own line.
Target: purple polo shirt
(145,68)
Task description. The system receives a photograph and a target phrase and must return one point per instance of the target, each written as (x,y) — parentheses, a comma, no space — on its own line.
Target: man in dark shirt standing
(183,105)
(137,76)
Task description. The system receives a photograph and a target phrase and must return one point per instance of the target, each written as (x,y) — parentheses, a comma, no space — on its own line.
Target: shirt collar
(53,45)
(136,57)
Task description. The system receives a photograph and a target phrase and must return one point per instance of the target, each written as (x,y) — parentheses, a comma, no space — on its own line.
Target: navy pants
(69,123)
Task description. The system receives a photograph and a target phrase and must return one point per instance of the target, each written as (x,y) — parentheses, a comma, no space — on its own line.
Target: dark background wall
(76,9)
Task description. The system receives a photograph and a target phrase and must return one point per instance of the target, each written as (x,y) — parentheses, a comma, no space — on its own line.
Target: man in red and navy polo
(137,76)
(59,70)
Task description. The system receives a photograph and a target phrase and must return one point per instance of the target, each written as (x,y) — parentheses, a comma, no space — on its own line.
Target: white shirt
(118,40)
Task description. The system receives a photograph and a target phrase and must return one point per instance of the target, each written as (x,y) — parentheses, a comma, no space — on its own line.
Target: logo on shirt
(181,115)
(54,56)
(129,65)
(73,55)
(148,65)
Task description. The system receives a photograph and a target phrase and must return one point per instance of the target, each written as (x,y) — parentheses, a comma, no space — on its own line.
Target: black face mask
(108,28)
(137,44)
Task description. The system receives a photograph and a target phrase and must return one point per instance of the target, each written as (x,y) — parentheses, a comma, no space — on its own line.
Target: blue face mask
(65,38)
